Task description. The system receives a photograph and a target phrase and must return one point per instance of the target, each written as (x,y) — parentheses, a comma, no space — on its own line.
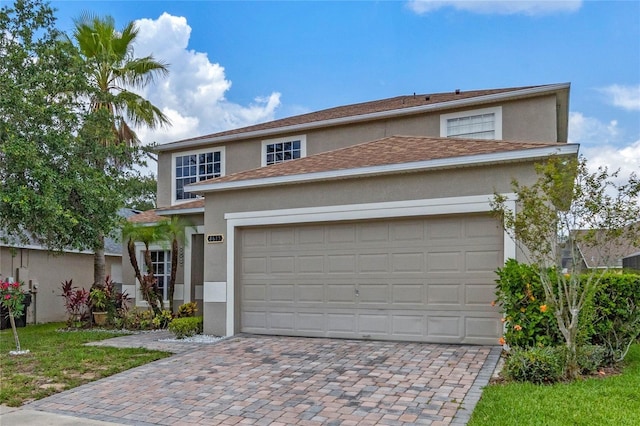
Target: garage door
(428,279)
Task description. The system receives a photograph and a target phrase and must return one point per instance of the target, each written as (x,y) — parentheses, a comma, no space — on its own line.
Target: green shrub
(528,319)
(187,310)
(591,358)
(163,319)
(186,327)
(616,314)
(535,365)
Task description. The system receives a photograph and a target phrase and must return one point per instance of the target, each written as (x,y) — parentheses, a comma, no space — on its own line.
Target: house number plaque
(215,238)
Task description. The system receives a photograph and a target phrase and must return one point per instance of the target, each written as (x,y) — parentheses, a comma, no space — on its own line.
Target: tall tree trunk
(174,269)
(99,263)
(131,248)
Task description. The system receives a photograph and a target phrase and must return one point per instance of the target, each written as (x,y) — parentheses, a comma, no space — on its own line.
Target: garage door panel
(479,328)
(482,260)
(373,294)
(443,294)
(408,231)
(282,237)
(480,295)
(373,232)
(281,292)
(310,264)
(281,321)
(444,261)
(374,324)
(340,234)
(254,266)
(481,227)
(341,293)
(341,323)
(412,262)
(427,279)
(252,238)
(311,293)
(255,292)
(408,326)
(281,264)
(444,229)
(444,326)
(341,264)
(408,294)
(310,322)
(373,263)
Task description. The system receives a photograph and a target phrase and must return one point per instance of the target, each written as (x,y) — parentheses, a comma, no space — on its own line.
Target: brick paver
(265,380)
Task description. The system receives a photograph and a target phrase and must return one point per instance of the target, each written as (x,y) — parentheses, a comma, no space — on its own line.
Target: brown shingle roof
(386,151)
(155,215)
(148,216)
(397,103)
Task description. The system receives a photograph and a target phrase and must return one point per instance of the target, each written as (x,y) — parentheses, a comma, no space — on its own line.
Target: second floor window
(283,151)
(193,168)
(485,123)
(279,150)
(473,127)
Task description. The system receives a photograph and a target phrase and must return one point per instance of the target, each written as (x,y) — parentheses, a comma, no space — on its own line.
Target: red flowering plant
(12,299)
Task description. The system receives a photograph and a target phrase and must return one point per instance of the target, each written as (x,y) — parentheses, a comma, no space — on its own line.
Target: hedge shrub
(535,365)
(186,327)
(616,314)
(528,319)
(609,322)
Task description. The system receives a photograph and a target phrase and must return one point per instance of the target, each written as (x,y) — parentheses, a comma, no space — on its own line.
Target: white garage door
(428,279)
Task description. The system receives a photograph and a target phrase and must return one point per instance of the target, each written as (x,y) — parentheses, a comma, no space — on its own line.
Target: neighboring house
(362,221)
(617,253)
(43,272)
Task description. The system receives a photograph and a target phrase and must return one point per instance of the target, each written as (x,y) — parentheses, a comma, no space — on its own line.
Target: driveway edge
(463,415)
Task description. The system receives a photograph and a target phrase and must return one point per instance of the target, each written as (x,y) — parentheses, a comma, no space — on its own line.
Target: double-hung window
(161,266)
(484,123)
(279,150)
(194,167)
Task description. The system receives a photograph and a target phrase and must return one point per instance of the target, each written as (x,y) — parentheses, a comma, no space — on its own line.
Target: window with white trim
(279,150)
(161,266)
(194,167)
(483,123)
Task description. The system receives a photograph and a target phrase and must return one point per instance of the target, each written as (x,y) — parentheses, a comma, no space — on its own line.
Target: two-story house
(361,221)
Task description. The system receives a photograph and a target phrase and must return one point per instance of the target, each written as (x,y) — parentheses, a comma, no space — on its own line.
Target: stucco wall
(529,119)
(49,271)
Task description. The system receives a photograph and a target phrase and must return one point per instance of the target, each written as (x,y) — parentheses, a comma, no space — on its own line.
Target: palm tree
(146,234)
(175,228)
(114,72)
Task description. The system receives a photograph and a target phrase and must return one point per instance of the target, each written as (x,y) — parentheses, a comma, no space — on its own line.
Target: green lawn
(59,361)
(613,400)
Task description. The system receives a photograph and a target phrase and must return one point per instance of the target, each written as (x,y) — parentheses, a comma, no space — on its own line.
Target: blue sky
(237,63)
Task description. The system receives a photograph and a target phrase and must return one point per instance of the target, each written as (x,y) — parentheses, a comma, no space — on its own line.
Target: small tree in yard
(12,299)
(567,198)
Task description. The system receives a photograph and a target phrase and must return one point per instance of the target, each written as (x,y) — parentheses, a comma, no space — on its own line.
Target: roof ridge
(356,109)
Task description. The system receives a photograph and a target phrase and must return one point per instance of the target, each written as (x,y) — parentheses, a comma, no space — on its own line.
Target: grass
(614,400)
(59,360)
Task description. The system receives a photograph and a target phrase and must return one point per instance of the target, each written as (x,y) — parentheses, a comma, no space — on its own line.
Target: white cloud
(601,144)
(625,97)
(193,94)
(589,130)
(531,8)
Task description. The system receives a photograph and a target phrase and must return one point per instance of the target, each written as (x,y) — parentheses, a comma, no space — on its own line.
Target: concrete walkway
(267,380)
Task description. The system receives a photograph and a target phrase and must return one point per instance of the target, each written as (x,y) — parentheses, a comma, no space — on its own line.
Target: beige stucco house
(43,272)
(366,221)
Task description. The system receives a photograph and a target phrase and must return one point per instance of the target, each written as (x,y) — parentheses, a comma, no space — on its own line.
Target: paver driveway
(291,381)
